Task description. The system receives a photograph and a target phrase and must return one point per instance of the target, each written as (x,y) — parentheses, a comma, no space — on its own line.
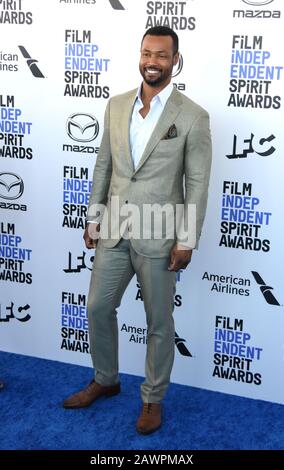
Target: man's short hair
(163,31)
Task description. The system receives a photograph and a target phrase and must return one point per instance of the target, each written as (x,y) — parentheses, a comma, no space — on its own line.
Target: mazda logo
(11,186)
(258,3)
(178,67)
(82,127)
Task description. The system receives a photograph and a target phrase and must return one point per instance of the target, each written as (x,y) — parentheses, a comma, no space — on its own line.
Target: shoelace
(147,409)
(90,386)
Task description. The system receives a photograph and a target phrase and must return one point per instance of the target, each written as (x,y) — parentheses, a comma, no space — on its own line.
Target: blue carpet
(32,416)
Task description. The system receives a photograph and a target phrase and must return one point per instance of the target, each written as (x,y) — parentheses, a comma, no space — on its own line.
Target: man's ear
(176,58)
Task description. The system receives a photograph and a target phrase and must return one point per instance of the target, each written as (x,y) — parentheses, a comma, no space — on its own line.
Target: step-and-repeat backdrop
(60,61)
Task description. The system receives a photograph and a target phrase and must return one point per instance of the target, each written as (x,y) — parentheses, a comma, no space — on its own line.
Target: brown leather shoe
(87,396)
(150,419)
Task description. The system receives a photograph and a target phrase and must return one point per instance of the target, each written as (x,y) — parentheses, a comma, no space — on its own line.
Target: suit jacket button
(133,179)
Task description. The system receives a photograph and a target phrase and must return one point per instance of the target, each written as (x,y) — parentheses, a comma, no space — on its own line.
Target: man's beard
(154,81)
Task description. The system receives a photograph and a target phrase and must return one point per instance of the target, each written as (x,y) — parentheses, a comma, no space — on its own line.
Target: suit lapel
(125,126)
(166,119)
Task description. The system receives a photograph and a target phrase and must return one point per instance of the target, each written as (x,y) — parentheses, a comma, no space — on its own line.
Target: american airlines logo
(182,349)
(31,63)
(116,4)
(265,289)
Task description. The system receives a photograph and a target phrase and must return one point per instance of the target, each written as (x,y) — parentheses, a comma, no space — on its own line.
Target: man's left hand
(180,258)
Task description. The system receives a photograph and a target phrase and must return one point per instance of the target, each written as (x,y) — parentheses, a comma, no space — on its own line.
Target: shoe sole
(106,395)
(145,433)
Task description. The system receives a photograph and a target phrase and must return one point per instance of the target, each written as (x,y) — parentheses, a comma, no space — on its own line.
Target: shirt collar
(163,96)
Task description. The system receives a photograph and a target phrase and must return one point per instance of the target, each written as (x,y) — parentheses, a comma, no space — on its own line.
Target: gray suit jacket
(171,171)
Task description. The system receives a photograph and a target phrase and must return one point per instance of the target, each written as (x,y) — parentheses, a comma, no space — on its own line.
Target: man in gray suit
(155,152)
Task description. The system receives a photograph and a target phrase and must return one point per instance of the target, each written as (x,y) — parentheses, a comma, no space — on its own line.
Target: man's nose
(152,60)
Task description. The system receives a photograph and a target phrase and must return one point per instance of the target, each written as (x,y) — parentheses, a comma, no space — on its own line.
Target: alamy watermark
(144,221)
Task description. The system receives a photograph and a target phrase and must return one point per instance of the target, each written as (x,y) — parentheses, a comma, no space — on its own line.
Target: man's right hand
(91,235)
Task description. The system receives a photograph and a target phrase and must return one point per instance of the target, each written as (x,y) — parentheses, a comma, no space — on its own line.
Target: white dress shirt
(142,128)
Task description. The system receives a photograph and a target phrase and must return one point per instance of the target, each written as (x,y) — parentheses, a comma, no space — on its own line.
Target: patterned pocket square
(171,133)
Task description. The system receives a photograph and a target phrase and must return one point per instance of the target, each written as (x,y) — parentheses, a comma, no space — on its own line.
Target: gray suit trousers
(112,271)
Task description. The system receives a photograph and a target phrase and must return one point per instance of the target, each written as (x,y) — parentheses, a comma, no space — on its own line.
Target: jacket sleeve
(197,166)
(102,174)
